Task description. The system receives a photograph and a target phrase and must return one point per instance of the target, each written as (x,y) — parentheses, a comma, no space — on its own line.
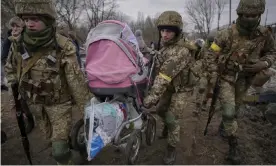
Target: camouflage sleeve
(269,50)
(10,67)
(216,49)
(75,78)
(169,70)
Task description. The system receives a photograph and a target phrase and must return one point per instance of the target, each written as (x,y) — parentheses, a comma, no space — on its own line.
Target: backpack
(114,63)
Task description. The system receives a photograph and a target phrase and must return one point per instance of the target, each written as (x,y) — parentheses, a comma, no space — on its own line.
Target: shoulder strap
(29,64)
(61,41)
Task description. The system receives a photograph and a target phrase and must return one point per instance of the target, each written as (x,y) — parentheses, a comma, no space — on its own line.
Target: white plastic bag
(104,120)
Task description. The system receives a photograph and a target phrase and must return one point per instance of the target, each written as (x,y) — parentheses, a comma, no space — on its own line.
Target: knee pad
(61,151)
(228,112)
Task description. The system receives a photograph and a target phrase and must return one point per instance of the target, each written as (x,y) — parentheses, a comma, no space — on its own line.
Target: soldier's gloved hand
(257,67)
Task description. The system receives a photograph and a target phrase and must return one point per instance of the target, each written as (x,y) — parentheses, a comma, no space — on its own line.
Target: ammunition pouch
(42,92)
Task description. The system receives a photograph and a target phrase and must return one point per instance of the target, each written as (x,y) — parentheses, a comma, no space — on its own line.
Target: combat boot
(75,159)
(233,155)
(170,155)
(222,131)
(165,132)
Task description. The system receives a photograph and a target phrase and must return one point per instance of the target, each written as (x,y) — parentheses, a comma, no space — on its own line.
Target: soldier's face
(167,35)
(16,30)
(33,23)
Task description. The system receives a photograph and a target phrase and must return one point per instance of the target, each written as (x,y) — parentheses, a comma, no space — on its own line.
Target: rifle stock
(213,104)
(20,121)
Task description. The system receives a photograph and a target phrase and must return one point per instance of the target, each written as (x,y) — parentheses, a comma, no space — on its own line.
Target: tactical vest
(184,78)
(241,50)
(41,77)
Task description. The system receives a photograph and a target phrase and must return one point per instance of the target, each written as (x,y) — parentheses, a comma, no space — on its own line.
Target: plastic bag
(102,121)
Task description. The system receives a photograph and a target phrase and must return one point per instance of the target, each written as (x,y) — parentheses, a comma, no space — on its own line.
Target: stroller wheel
(133,147)
(150,130)
(77,137)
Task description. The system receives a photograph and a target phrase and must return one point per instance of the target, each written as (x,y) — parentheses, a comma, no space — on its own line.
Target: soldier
(17,26)
(205,88)
(243,51)
(171,81)
(45,66)
(199,52)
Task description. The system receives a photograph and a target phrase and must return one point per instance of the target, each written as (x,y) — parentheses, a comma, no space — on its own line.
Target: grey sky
(152,7)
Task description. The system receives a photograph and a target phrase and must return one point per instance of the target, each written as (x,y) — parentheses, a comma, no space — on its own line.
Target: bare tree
(220,7)
(69,11)
(99,10)
(150,30)
(120,16)
(201,13)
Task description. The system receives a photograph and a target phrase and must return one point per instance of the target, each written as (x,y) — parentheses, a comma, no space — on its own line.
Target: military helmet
(170,18)
(35,7)
(251,7)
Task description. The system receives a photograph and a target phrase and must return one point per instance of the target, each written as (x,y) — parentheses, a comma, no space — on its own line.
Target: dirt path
(255,141)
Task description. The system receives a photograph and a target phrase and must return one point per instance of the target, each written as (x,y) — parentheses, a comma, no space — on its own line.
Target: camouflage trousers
(54,121)
(202,98)
(163,110)
(183,105)
(175,107)
(231,96)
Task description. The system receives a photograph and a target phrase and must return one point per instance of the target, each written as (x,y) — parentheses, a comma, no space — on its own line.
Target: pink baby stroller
(116,71)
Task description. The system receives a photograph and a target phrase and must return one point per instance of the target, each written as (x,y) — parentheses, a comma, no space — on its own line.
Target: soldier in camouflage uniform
(45,66)
(199,55)
(172,79)
(205,87)
(242,51)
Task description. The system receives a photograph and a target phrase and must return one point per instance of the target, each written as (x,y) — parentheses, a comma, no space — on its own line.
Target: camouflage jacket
(172,70)
(49,76)
(239,50)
